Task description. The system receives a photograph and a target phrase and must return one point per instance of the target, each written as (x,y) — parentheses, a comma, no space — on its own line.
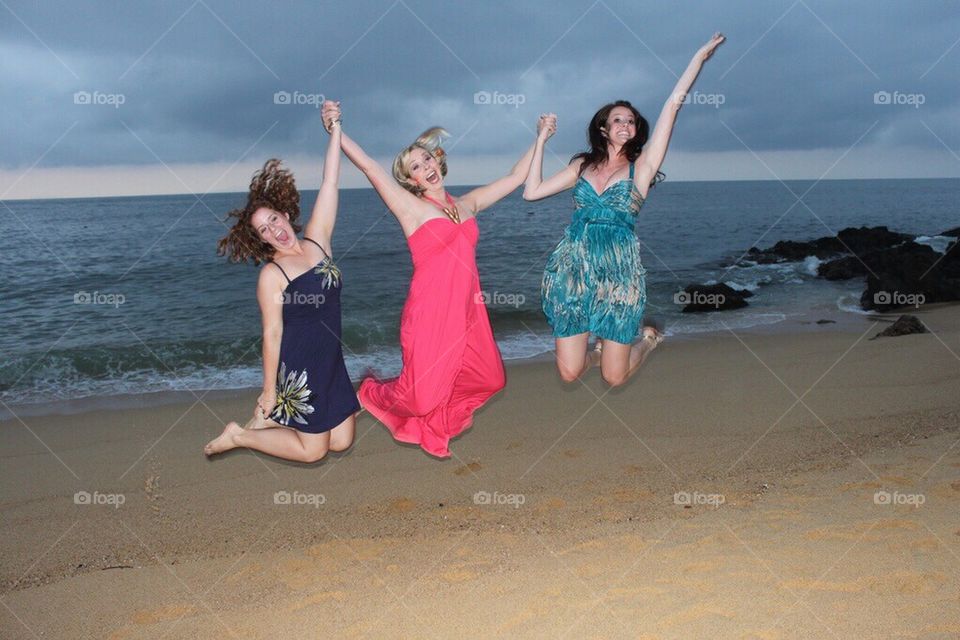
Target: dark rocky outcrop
(910,275)
(899,272)
(857,240)
(843,268)
(904,325)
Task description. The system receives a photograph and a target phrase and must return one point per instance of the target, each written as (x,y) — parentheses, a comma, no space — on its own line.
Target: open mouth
(433,177)
(282,237)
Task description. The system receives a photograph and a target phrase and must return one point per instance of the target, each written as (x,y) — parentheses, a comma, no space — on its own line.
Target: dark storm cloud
(198,79)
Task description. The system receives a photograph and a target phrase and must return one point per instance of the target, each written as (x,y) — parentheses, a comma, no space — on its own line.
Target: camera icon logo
(482,97)
(882,297)
(881,97)
(682,297)
(281,97)
(81,97)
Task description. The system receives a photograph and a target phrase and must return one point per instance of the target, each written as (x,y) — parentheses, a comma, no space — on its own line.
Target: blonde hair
(429,141)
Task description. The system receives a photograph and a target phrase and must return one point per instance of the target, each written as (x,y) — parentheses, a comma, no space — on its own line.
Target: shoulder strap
(318,245)
(281,270)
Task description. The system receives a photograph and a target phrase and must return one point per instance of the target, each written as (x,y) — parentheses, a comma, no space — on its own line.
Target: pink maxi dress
(451,363)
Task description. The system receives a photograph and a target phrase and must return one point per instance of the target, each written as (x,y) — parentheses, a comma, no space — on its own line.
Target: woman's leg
(282,442)
(573,358)
(620,361)
(341,436)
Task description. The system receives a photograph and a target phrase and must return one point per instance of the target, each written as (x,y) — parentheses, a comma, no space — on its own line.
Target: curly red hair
(272,187)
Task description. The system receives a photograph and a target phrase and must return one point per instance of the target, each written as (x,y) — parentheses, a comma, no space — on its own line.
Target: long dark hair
(272,187)
(598,143)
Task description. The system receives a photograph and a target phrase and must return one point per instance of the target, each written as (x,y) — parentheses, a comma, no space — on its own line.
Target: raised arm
(324,216)
(656,148)
(535,187)
(269,292)
(401,202)
(486,196)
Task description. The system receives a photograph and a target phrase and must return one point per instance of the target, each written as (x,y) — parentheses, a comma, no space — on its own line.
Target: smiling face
(423,169)
(273,228)
(621,126)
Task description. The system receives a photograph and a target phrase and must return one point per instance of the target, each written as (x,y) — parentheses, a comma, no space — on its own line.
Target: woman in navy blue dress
(308,403)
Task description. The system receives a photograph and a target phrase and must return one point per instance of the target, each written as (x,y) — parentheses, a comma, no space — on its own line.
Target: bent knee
(497,382)
(341,444)
(314,454)
(615,378)
(422,402)
(568,374)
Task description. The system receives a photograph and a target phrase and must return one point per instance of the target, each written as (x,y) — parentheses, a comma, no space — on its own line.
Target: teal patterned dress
(594,280)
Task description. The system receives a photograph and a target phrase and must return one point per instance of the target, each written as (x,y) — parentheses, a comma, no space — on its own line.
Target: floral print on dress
(292,397)
(330,273)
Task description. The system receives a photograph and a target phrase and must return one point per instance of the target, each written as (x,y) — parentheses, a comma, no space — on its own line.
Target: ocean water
(109,296)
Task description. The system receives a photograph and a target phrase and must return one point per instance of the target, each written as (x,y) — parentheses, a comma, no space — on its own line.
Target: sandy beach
(754,486)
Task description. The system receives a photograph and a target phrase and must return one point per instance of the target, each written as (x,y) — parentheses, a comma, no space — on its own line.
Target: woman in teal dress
(594,281)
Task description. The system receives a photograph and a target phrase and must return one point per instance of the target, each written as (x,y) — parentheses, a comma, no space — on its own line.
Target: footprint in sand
(471,467)
(458,575)
(244,574)
(321,597)
(162,614)
(861,530)
(573,453)
(401,505)
(705,566)
(897,582)
(854,486)
(360,548)
(550,504)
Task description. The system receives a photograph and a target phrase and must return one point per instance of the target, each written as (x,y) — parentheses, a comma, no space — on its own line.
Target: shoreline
(838,321)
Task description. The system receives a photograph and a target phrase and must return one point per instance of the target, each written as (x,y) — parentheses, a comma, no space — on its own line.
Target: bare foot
(225,441)
(258,421)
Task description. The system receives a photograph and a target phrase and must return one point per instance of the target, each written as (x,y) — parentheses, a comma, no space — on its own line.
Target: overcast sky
(131,97)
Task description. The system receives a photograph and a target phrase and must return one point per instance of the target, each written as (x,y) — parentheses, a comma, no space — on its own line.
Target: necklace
(450,211)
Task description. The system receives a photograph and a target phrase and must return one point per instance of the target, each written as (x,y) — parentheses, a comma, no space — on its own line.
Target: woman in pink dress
(451,363)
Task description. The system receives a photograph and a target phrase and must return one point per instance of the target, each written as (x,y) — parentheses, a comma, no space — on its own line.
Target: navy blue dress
(314,393)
